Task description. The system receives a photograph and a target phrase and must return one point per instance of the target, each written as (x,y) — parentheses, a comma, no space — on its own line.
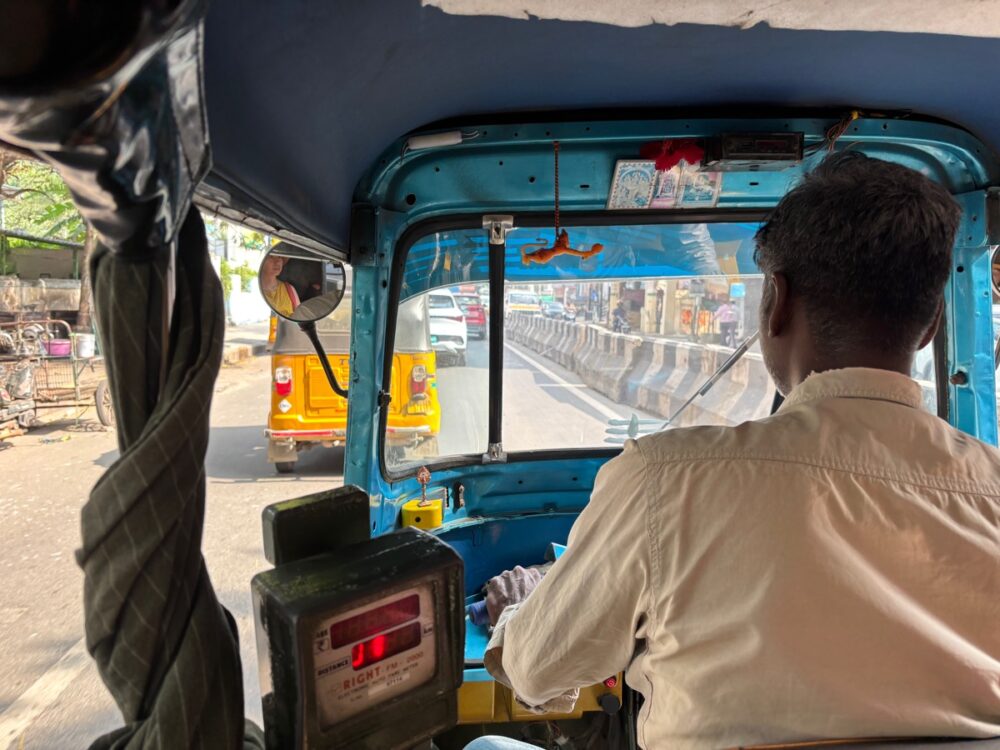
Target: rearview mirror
(300,285)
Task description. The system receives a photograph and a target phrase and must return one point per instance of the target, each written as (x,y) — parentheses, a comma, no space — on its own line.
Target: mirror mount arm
(309,328)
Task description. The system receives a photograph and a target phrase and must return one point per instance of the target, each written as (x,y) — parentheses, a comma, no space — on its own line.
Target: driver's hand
(511,587)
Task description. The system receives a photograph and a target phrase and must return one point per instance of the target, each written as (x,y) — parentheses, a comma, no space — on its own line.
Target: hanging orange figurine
(541,252)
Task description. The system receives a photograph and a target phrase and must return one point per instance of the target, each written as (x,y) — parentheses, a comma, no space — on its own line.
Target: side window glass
(439,387)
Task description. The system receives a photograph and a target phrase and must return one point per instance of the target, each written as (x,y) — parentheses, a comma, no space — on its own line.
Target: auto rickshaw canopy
(299,115)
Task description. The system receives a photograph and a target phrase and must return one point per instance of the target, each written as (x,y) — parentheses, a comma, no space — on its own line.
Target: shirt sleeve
(581,624)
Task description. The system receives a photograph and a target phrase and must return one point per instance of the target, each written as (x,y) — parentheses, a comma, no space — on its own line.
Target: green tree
(36,201)
(222,231)
(246,274)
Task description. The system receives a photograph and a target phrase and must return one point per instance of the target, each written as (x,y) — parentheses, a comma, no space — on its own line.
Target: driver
(832,571)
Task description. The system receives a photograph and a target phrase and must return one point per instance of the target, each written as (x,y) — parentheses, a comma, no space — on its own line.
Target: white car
(449,334)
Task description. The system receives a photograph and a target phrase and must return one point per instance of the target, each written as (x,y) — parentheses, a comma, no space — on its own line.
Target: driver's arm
(581,624)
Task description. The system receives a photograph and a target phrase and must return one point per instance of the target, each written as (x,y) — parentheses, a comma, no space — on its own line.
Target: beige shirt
(831,571)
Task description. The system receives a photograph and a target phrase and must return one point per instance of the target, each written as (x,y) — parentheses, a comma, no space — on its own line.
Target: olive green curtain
(165,647)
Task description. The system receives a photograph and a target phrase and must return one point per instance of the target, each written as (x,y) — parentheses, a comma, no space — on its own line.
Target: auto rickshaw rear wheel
(105,407)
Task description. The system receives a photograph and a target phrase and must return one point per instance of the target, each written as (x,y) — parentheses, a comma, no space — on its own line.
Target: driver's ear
(778,315)
(932,329)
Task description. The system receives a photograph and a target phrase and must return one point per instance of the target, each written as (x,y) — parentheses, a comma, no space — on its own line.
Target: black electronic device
(754,152)
(315,524)
(362,647)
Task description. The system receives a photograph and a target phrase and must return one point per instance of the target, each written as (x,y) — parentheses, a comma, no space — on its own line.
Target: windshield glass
(596,349)
(656,313)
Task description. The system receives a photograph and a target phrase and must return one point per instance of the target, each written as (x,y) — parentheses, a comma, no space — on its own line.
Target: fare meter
(362,647)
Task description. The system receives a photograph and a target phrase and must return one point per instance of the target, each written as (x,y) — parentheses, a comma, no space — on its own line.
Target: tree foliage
(245,272)
(36,200)
(222,232)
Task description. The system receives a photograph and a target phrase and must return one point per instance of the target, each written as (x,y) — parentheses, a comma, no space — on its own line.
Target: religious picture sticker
(665,189)
(699,189)
(633,184)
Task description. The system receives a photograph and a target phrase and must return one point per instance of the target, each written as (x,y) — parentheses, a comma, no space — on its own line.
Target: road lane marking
(46,690)
(586,398)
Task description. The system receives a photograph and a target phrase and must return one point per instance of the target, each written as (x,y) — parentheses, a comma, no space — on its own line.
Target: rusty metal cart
(61,368)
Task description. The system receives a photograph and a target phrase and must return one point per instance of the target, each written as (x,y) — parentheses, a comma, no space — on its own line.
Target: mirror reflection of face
(272,267)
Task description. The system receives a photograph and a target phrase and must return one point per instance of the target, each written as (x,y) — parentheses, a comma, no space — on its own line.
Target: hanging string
(539,253)
(555,151)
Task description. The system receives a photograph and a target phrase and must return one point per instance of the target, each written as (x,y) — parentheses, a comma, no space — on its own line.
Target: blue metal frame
(492,173)
(972,388)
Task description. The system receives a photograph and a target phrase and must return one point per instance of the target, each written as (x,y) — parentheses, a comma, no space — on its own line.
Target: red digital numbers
(385,645)
(373,621)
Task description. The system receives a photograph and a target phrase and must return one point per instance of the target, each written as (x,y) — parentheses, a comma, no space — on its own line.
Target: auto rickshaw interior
(513,463)
(351,133)
(682,252)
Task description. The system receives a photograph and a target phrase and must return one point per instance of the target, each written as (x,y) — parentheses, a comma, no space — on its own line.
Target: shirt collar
(856,382)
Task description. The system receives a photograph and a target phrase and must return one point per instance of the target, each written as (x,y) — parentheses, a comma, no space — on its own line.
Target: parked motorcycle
(621,326)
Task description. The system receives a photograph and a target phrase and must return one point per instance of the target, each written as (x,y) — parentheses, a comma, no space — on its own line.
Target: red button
(611,682)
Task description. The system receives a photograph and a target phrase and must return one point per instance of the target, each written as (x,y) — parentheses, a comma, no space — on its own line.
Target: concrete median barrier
(657,375)
(569,344)
(653,375)
(679,369)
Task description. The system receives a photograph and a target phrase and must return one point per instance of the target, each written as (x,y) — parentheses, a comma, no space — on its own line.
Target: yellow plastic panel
(423,515)
(475,702)
(491,702)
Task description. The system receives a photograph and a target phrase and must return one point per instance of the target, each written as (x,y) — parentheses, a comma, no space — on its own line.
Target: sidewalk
(244,342)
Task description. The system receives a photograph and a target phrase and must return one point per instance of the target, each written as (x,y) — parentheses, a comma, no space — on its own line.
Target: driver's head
(855,260)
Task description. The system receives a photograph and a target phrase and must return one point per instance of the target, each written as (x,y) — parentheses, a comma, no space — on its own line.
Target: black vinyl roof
(304,96)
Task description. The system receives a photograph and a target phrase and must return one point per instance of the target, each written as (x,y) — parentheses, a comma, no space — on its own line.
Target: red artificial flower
(669,153)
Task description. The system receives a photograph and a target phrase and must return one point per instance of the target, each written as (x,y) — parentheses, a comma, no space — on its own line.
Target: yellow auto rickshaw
(414,420)
(306,412)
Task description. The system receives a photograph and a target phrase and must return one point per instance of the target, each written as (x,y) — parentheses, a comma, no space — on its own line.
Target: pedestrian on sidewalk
(728,320)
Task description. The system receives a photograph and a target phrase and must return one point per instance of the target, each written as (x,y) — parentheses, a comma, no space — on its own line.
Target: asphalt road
(545,405)
(50,693)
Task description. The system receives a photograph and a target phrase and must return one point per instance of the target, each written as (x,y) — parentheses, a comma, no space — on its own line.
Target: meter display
(361,647)
(373,653)
(383,646)
(375,620)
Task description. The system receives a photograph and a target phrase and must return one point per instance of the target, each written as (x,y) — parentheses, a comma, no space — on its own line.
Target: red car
(475,313)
